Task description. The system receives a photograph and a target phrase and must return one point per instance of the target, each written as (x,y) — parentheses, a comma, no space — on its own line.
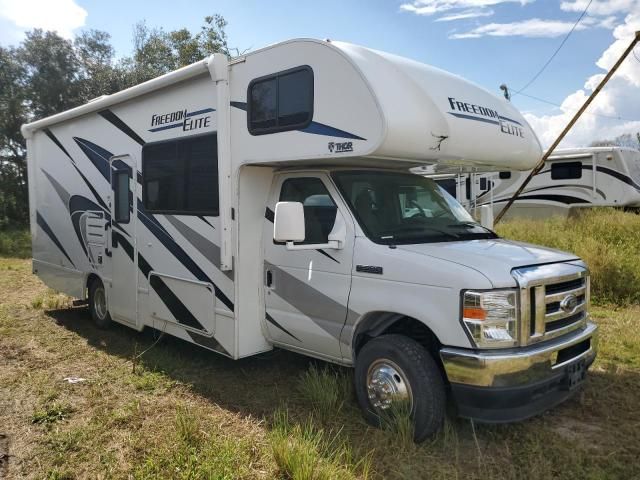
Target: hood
(493,258)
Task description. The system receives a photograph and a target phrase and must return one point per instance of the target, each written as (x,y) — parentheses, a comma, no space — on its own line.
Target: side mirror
(288,222)
(486,216)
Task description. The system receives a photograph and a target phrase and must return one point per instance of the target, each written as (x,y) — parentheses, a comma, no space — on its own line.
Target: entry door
(123,293)
(307,291)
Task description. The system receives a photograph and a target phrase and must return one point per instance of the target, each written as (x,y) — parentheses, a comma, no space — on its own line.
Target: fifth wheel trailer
(572,179)
(264,201)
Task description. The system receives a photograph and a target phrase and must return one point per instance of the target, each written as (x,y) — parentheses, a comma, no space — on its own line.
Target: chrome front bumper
(513,384)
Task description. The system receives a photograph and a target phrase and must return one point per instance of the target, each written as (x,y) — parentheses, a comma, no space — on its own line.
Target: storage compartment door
(188,303)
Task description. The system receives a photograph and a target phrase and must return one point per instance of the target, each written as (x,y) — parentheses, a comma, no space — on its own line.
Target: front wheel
(394,370)
(98,304)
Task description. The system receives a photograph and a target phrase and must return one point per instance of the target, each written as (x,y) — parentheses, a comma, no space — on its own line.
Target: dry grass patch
(189,413)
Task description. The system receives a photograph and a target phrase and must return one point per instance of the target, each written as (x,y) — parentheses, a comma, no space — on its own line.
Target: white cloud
(62,16)
(430,7)
(619,98)
(533,27)
(473,13)
(602,7)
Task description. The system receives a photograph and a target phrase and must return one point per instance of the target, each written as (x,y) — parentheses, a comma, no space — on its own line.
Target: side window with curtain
(319,208)
(180,176)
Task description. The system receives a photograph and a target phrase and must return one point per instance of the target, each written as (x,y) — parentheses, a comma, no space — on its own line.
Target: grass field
(176,411)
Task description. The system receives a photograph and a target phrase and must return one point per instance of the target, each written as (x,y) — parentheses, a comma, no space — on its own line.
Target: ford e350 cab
(266,201)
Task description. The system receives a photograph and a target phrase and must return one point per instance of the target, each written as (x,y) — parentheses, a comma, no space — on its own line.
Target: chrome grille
(554,300)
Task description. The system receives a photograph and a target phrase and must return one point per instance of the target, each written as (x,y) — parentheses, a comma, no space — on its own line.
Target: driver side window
(319,208)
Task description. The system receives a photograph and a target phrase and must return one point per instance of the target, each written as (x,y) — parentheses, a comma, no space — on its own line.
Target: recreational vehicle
(265,201)
(571,179)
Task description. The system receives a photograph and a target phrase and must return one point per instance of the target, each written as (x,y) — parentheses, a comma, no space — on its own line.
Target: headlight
(491,317)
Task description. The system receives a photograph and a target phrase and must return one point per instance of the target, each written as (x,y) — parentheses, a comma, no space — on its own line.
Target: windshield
(404,208)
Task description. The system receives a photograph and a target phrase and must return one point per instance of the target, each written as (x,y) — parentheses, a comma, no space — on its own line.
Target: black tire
(100,317)
(422,374)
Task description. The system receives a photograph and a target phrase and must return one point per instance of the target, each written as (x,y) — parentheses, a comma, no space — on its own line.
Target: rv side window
(566,170)
(448,185)
(504,175)
(280,102)
(319,208)
(181,176)
(121,196)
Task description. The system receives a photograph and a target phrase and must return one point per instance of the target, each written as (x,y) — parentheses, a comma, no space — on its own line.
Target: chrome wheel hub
(386,384)
(100,303)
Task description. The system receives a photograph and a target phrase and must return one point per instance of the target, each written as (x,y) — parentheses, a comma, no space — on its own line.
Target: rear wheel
(98,304)
(394,371)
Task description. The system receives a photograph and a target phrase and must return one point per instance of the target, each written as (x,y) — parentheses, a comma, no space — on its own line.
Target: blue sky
(487,41)
(488,61)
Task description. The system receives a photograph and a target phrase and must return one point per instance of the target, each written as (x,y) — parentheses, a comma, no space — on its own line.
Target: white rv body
(216,277)
(572,179)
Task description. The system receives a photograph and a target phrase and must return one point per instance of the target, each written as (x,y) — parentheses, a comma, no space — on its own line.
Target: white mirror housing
(486,216)
(288,222)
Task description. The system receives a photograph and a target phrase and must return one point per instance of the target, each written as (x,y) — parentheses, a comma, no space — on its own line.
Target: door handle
(269,279)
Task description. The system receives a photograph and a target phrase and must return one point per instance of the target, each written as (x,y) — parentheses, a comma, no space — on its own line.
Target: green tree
(13,175)
(157,52)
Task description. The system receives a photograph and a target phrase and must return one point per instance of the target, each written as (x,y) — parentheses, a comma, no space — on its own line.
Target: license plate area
(576,373)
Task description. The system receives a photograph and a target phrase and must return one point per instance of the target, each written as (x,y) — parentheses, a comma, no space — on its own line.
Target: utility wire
(535,77)
(634,54)
(587,113)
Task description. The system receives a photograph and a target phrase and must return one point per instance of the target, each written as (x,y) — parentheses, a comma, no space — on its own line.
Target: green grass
(15,243)
(306,452)
(606,239)
(325,389)
(51,413)
(199,450)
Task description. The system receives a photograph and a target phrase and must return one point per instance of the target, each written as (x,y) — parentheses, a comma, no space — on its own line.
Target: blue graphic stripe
(471,117)
(510,120)
(166,127)
(317,128)
(199,112)
(240,105)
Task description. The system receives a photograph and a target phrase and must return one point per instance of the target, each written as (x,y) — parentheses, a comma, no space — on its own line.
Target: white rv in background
(572,179)
(265,201)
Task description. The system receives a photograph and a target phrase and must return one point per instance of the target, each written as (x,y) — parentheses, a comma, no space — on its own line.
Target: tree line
(46,74)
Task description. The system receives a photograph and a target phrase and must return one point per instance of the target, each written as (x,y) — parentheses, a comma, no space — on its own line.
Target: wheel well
(384,323)
(90,279)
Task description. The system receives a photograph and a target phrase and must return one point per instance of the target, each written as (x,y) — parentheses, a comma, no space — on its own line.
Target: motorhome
(571,180)
(265,201)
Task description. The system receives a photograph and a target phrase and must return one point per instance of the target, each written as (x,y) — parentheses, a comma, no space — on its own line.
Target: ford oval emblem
(568,303)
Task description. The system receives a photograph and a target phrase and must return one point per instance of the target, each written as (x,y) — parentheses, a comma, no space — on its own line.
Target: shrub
(606,239)
(15,243)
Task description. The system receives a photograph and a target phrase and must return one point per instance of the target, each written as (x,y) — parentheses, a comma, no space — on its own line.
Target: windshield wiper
(468,225)
(471,225)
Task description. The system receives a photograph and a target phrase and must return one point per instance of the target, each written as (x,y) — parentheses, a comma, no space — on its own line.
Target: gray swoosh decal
(325,312)
(60,190)
(205,246)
